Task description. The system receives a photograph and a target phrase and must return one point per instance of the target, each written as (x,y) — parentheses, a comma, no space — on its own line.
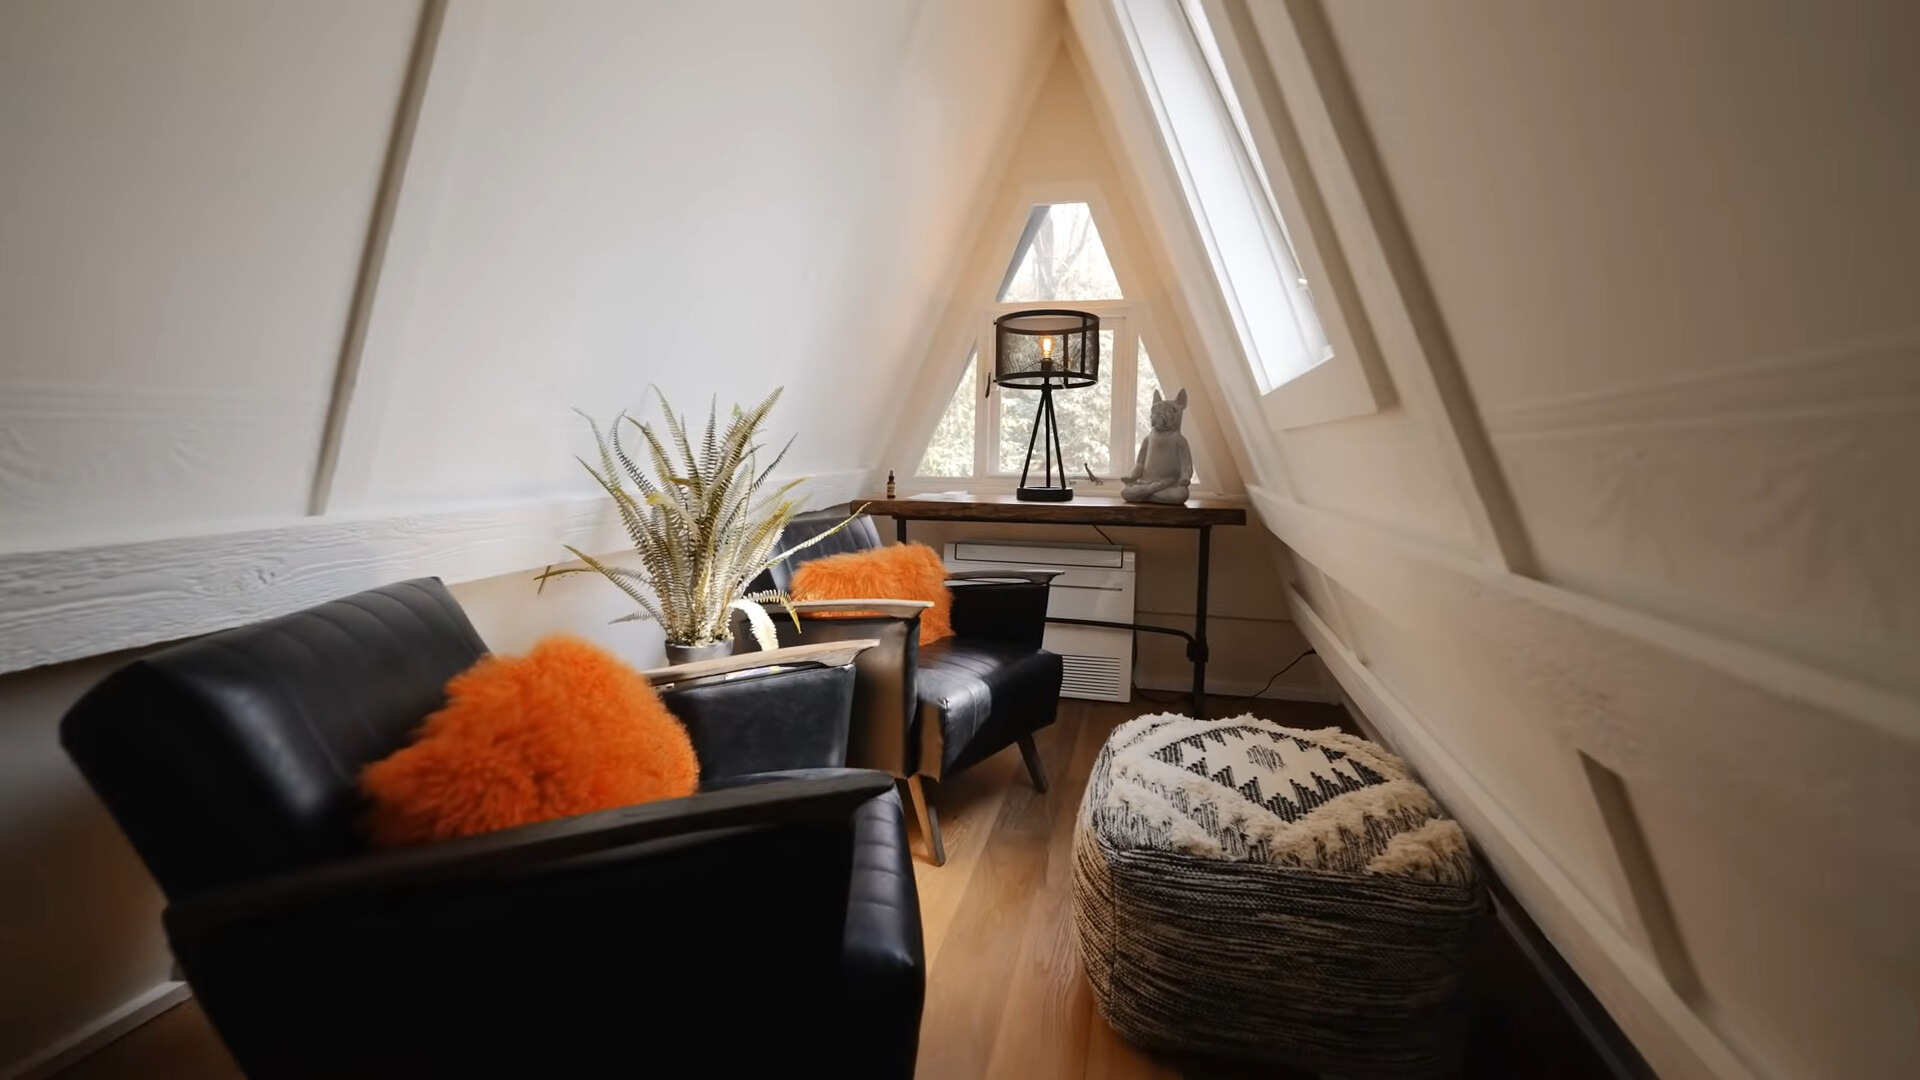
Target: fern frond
(700,516)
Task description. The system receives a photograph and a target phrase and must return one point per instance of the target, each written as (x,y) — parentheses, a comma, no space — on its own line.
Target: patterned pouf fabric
(1249,890)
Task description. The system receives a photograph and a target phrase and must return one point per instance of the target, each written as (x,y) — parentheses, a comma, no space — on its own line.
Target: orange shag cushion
(895,572)
(566,729)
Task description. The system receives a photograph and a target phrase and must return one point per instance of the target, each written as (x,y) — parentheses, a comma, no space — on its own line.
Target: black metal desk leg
(900,529)
(1198,649)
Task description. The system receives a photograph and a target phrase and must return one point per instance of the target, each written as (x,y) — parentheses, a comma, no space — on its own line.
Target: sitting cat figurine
(1165,466)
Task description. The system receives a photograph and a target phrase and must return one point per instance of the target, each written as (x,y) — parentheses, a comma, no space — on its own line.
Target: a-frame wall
(1061,155)
(1596,564)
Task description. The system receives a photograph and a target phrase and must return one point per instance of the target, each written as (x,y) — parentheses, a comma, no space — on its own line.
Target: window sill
(1335,389)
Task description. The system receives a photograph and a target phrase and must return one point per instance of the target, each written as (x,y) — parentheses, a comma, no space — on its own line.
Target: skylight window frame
(1274,166)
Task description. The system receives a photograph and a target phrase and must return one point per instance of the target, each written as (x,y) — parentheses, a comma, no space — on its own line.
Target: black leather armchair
(928,713)
(767,925)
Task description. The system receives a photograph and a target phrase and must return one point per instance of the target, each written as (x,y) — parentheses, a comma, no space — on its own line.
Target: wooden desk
(1200,515)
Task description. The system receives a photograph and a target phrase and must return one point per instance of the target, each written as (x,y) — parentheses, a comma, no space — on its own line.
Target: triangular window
(1059,257)
(950,451)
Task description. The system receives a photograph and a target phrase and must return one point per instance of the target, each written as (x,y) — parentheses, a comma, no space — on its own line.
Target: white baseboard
(61,1055)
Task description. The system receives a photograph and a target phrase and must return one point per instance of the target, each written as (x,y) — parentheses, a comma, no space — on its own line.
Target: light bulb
(1046,348)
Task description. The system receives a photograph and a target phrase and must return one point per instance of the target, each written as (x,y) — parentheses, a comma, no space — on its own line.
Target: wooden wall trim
(65,604)
(1374,562)
(417,171)
(1399,299)
(1654,704)
(373,258)
(1622,976)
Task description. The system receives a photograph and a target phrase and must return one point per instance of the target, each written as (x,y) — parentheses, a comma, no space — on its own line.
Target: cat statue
(1165,466)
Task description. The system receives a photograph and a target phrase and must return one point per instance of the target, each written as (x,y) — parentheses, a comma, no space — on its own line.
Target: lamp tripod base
(1044,494)
(1046,431)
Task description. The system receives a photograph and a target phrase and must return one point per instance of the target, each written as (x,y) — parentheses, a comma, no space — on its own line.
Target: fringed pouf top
(1251,790)
(1251,890)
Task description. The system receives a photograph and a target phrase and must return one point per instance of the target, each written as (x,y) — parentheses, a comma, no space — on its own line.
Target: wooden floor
(1005,996)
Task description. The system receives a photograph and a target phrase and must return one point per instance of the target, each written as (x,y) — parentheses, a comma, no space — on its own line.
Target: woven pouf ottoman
(1248,890)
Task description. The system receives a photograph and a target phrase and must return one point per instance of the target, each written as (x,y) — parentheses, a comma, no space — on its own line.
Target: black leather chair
(767,925)
(928,713)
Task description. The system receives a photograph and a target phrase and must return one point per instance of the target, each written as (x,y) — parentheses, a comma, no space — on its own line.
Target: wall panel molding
(374,257)
(421,154)
(64,604)
(1810,805)
(1744,501)
(1390,277)
(1385,568)
(1675,1040)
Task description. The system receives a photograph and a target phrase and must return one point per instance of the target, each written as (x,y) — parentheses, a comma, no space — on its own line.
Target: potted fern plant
(702,523)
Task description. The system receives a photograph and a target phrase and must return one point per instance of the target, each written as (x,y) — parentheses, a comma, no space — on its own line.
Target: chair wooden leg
(1035,771)
(929,822)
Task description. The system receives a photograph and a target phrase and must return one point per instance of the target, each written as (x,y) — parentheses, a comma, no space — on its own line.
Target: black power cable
(1150,695)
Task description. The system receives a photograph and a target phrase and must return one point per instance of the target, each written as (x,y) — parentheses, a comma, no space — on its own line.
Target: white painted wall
(184,197)
(716,198)
(1669,252)
(79,916)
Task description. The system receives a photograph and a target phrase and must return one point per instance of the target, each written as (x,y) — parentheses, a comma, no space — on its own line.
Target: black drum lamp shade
(1046,350)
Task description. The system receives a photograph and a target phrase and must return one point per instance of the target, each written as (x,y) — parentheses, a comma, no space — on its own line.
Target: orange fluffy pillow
(566,729)
(897,572)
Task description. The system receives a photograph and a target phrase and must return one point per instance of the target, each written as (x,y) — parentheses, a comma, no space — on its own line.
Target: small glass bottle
(889,483)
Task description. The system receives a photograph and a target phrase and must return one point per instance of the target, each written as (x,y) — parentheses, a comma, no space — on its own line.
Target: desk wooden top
(1082,510)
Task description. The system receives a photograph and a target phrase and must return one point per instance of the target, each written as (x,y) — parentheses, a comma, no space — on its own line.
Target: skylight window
(1059,257)
(1232,202)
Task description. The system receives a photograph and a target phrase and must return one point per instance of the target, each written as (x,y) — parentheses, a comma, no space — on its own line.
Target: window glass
(1059,257)
(1252,256)
(950,451)
(1084,416)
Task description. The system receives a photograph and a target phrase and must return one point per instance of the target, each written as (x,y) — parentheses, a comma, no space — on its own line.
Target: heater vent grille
(1103,678)
(1093,582)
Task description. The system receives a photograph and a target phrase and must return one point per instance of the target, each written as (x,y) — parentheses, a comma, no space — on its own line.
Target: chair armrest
(765,662)
(1008,606)
(815,795)
(892,609)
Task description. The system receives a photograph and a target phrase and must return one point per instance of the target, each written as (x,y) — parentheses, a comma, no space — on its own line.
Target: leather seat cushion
(977,695)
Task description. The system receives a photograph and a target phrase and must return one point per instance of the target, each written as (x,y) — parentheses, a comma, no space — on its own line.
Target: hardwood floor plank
(1048,1004)
(966,988)
(1109,1057)
(968,806)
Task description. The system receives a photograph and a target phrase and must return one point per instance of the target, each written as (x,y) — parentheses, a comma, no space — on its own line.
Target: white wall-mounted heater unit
(1095,582)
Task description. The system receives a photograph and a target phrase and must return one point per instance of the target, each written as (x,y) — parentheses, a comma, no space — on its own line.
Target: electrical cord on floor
(1169,698)
(1276,675)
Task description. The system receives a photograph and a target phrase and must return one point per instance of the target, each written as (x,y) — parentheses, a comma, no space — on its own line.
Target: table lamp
(1046,350)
